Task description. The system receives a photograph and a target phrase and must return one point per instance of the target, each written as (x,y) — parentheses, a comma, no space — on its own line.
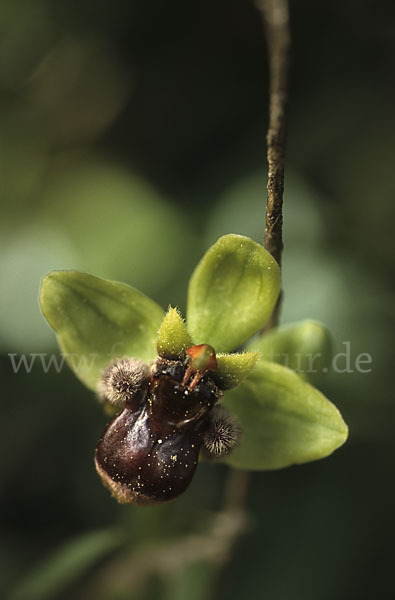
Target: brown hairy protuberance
(122,380)
(223,433)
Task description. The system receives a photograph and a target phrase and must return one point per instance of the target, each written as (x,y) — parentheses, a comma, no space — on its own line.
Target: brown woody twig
(275,14)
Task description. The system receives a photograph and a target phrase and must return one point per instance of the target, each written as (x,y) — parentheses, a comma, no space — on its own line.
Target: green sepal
(233,368)
(304,347)
(285,420)
(232,292)
(173,337)
(97,320)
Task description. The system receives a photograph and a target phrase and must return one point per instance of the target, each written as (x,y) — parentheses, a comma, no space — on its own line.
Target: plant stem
(236,490)
(275,15)
(276,18)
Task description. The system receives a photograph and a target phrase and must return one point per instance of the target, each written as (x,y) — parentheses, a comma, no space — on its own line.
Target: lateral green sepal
(98,320)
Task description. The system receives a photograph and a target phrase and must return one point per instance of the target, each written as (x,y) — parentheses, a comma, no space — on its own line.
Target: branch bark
(275,15)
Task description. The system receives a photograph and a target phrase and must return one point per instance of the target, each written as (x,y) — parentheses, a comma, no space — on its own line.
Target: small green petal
(304,347)
(173,337)
(232,292)
(233,368)
(98,320)
(285,420)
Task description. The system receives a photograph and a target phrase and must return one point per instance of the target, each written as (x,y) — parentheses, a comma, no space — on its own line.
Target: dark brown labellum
(149,452)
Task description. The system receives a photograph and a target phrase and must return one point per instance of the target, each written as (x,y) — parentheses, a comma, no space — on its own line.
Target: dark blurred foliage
(132,135)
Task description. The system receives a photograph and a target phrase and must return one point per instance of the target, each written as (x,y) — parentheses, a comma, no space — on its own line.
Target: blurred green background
(132,136)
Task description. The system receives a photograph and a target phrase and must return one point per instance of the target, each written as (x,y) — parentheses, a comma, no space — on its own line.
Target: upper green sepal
(285,420)
(233,368)
(232,292)
(304,347)
(98,320)
(173,337)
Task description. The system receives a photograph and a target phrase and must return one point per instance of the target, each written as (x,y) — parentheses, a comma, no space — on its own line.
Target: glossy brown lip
(149,452)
